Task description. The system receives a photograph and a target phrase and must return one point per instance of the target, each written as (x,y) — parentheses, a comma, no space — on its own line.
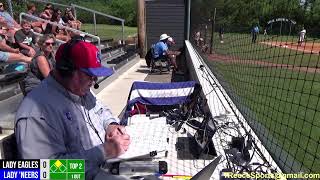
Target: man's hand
(116,141)
(114,129)
(31,52)
(26,59)
(15,50)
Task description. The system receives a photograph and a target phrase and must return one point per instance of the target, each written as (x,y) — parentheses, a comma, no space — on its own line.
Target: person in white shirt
(302,36)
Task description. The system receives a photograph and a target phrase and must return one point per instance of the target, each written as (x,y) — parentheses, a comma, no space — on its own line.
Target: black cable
(212,85)
(92,125)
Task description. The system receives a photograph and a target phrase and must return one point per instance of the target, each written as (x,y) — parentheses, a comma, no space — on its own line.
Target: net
(266,56)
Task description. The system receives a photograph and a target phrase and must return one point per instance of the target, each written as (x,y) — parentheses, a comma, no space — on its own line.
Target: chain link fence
(271,73)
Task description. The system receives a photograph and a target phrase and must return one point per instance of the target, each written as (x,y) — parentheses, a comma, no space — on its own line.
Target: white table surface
(175,165)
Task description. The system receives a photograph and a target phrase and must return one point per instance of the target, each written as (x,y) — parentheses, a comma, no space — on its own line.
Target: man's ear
(75,75)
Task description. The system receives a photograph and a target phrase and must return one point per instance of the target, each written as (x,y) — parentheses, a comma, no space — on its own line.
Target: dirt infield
(229,59)
(313,48)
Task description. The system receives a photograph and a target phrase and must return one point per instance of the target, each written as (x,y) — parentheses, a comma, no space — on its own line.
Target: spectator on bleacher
(9,54)
(60,33)
(5,47)
(31,9)
(6,18)
(26,39)
(42,63)
(35,24)
(8,25)
(63,117)
(47,12)
(69,19)
(47,15)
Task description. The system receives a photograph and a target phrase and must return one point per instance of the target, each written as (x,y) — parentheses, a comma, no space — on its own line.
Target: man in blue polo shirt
(161,47)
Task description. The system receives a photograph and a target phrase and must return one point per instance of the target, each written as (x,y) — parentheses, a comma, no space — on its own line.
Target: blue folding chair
(158,94)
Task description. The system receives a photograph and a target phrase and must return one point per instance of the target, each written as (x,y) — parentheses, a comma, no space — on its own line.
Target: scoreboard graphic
(36,169)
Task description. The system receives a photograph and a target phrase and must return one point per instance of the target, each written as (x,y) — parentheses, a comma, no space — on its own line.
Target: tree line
(243,14)
(125,9)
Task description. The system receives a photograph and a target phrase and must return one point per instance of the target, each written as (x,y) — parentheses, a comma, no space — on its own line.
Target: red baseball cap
(86,57)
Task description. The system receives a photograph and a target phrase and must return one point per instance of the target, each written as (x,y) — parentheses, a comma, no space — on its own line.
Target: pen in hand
(120,131)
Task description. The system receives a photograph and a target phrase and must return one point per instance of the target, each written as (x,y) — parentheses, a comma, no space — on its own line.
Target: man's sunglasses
(48,43)
(94,78)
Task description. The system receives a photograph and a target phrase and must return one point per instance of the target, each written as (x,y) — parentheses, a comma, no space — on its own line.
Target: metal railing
(62,27)
(53,3)
(98,25)
(74,6)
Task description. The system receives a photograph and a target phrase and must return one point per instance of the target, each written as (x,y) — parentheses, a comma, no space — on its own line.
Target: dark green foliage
(125,9)
(241,15)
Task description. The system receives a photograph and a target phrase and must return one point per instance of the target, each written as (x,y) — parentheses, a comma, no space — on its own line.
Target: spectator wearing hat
(161,47)
(158,50)
(161,50)
(69,122)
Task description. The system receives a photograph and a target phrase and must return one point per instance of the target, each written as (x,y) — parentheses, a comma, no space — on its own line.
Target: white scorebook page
(145,137)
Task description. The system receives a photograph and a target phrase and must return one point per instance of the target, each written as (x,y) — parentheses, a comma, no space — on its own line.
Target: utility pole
(141,27)
(10,7)
(212,31)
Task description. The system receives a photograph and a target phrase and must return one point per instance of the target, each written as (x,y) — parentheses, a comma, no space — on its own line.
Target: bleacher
(114,54)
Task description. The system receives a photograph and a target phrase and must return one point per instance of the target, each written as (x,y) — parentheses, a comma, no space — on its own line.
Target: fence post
(122,23)
(188,20)
(74,11)
(95,23)
(10,7)
(212,30)
(205,34)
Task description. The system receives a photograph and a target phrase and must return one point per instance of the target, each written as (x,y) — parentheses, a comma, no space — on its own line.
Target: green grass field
(286,102)
(110,31)
(240,46)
